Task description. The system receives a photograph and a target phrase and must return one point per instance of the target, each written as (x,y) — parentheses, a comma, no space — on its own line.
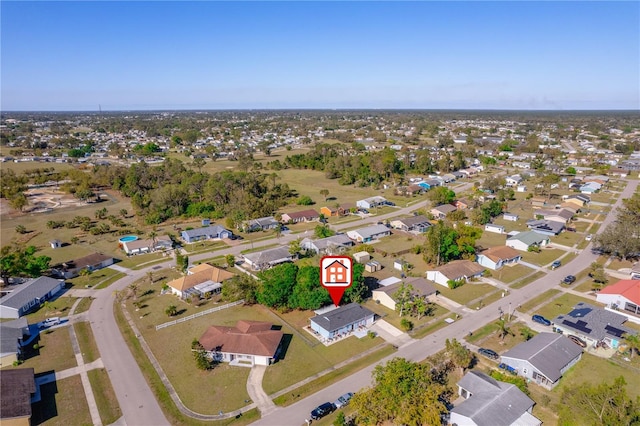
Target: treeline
(170,190)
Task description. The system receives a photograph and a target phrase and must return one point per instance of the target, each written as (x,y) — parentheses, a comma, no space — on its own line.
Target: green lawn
(54,354)
(467,293)
(545,257)
(88,346)
(63,403)
(398,242)
(536,301)
(491,239)
(528,280)
(563,305)
(568,238)
(486,300)
(99,279)
(59,307)
(394,319)
(509,274)
(143,260)
(488,337)
(105,396)
(83,305)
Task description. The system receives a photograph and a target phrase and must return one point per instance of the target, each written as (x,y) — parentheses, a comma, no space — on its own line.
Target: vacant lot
(467,293)
(527,280)
(99,279)
(546,256)
(489,336)
(63,403)
(491,239)
(509,274)
(393,318)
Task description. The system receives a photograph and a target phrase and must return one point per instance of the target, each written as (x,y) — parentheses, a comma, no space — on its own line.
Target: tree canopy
(19,261)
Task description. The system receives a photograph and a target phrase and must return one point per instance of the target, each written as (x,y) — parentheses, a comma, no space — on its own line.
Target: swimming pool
(128,239)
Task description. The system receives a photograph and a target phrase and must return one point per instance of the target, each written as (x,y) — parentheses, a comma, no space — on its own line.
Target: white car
(343,400)
(50,322)
(588,237)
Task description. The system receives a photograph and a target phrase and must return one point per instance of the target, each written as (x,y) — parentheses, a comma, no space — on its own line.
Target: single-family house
(538,202)
(623,173)
(200,280)
(18,389)
(414,189)
(590,187)
(371,202)
(462,204)
(524,240)
(341,210)
(458,175)
(593,325)
(545,227)
(572,207)
(265,259)
(557,215)
(440,212)
(513,180)
(579,199)
(492,227)
(496,257)
(249,343)
(21,298)
(369,233)
(301,216)
(488,402)
(385,295)
(454,271)
(635,271)
(160,243)
(12,335)
(261,224)
(335,244)
(448,177)
(72,268)
(205,233)
(521,188)
(342,320)
(622,297)
(510,216)
(417,223)
(544,358)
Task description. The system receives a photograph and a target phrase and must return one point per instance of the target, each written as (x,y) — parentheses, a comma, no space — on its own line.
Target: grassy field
(528,280)
(568,238)
(394,319)
(57,308)
(323,381)
(105,396)
(54,354)
(83,305)
(509,274)
(488,337)
(491,239)
(467,293)
(24,166)
(536,301)
(563,305)
(545,257)
(99,279)
(486,299)
(398,241)
(166,403)
(88,346)
(63,403)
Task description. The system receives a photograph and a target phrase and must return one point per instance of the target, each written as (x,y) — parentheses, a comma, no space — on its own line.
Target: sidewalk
(84,377)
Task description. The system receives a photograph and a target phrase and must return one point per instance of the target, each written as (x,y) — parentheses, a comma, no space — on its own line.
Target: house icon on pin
(336,273)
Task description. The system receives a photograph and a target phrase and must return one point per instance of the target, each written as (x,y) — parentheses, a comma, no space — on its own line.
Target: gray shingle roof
(28,291)
(344,315)
(492,402)
(213,230)
(268,256)
(16,387)
(414,220)
(333,241)
(370,231)
(593,322)
(547,352)
(529,237)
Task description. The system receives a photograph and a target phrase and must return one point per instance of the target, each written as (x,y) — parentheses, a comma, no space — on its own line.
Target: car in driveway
(556,264)
(569,279)
(322,410)
(343,400)
(49,322)
(488,353)
(588,237)
(540,320)
(578,341)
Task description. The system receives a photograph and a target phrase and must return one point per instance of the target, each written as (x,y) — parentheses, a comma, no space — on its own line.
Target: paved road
(296,414)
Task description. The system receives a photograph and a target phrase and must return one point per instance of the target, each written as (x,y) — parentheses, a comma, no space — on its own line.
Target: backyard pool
(128,239)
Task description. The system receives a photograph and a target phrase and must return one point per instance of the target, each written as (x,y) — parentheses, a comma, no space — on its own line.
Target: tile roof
(344,315)
(247,337)
(492,402)
(16,387)
(629,289)
(547,352)
(200,274)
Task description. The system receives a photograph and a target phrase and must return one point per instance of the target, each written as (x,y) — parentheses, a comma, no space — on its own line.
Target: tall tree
(459,355)
(277,285)
(19,261)
(403,298)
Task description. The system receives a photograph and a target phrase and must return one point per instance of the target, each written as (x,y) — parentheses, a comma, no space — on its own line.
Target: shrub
(453,284)
(406,324)
(371,334)
(304,200)
(533,249)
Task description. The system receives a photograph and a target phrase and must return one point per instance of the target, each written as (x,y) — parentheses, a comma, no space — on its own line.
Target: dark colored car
(569,279)
(540,320)
(578,341)
(488,353)
(322,410)
(556,264)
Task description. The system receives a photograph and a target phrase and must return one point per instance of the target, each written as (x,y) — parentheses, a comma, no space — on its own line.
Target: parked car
(556,264)
(49,322)
(322,410)
(540,320)
(569,279)
(588,237)
(488,353)
(343,400)
(571,229)
(578,341)
(508,368)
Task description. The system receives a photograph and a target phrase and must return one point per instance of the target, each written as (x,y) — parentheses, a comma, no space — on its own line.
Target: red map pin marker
(336,275)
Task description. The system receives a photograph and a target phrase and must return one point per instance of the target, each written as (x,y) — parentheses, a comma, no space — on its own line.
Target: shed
(362,256)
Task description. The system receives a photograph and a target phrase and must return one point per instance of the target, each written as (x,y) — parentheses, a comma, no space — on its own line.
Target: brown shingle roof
(460,268)
(198,275)
(16,387)
(304,214)
(247,337)
(500,253)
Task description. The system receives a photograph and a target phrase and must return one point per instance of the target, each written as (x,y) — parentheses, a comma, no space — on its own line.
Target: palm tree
(278,230)
(171,310)
(150,277)
(154,236)
(633,340)
(133,290)
(504,329)
(324,193)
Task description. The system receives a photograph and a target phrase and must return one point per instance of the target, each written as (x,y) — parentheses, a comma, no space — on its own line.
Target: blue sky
(197,55)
